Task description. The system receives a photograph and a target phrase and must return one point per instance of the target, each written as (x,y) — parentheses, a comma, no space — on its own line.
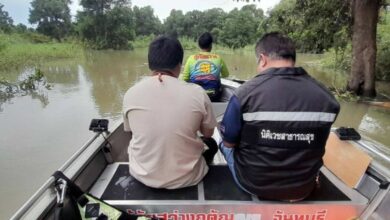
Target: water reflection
(61,72)
(111,73)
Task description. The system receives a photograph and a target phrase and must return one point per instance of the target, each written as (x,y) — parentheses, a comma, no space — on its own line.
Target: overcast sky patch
(19,9)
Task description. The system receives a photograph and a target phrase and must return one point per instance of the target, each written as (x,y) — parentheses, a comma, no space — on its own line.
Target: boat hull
(99,158)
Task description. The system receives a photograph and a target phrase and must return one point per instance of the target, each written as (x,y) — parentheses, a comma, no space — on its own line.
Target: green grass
(18,51)
(142,41)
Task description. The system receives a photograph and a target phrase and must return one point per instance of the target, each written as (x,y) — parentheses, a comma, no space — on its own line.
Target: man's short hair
(205,40)
(165,53)
(276,46)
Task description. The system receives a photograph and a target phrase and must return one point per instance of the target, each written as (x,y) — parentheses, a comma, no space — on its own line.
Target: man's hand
(207,132)
(228,144)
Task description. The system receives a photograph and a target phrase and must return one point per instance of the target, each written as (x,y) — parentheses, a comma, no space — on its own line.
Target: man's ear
(263,60)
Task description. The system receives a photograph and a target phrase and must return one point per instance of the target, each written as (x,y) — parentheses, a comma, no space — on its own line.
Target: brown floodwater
(40,131)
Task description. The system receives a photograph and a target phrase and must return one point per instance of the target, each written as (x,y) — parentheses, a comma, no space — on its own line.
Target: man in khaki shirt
(164,115)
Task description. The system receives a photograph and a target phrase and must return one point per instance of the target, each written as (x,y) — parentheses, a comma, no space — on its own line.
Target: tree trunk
(365,19)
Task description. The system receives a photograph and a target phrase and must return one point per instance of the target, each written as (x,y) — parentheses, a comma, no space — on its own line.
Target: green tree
(282,18)
(365,20)
(213,20)
(314,25)
(5,20)
(52,16)
(174,23)
(325,24)
(197,22)
(20,28)
(242,27)
(146,23)
(106,23)
(194,23)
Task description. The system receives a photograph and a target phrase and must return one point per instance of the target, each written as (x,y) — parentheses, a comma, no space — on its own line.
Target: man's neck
(279,64)
(206,50)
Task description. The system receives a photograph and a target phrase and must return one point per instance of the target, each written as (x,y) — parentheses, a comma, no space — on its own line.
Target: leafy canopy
(146,23)
(52,16)
(106,23)
(5,20)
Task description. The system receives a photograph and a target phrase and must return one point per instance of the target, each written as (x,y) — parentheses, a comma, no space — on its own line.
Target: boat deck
(218,195)
(116,185)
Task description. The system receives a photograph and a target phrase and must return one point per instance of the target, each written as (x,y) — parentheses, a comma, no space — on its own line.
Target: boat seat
(218,184)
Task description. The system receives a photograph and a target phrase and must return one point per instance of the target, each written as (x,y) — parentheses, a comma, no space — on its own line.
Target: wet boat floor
(217,185)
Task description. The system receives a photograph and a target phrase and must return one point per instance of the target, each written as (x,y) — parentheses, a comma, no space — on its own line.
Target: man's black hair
(205,41)
(165,53)
(276,46)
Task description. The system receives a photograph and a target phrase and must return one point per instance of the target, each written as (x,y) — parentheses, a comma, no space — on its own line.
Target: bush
(339,60)
(36,37)
(142,41)
(383,53)
(383,63)
(188,43)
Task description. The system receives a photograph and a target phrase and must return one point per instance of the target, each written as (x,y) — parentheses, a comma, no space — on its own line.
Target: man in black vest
(276,125)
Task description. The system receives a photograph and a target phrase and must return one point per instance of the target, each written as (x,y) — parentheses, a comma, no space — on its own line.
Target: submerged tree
(52,16)
(5,20)
(365,20)
(106,23)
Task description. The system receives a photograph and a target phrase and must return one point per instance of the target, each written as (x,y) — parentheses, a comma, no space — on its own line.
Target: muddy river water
(40,131)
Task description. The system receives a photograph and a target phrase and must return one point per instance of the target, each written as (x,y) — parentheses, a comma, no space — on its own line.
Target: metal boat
(100,167)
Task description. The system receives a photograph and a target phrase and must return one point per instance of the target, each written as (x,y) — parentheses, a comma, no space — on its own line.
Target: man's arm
(126,124)
(231,123)
(209,122)
(224,69)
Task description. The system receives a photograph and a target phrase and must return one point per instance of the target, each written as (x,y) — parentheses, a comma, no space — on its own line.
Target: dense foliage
(52,16)
(242,27)
(106,23)
(146,23)
(315,25)
(5,20)
(235,29)
(383,53)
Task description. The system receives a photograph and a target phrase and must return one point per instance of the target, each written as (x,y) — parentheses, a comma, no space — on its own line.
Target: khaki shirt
(164,118)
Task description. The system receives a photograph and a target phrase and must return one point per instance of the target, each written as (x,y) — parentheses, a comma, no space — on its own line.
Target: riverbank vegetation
(30,49)
(339,58)
(330,27)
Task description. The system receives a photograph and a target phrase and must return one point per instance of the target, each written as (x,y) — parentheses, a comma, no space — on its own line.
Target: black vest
(287,117)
